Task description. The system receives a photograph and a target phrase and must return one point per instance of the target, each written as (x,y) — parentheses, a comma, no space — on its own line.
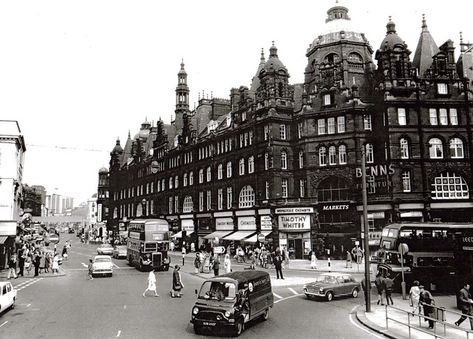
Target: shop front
(7,241)
(224,226)
(246,228)
(451,211)
(294,230)
(186,236)
(204,227)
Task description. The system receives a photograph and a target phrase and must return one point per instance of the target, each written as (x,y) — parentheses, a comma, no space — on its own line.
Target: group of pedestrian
(384,287)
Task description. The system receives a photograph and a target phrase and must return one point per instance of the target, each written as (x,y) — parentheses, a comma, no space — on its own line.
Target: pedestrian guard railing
(414,322)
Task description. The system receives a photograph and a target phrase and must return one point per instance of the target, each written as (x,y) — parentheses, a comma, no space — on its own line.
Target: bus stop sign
(403,248)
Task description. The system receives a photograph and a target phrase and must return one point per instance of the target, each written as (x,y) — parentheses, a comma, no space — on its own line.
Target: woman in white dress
(56,264)
(313,261)
(227,263)
(151,284)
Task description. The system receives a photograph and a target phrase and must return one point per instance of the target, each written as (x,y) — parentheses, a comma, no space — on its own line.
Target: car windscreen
(218,290)
(102,260)
(327,279)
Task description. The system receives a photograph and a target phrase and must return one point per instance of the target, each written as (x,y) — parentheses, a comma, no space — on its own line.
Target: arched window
(404,147)
(355,58)
(449,186)
(342,154)
(188,205)
(333,189)
(251,164)
(209,174)
(332,58)
(322,156)
(229,169)
(241,166)
(191,178)
(247,197)
(369,153)
(283,160)
(201,176)
(456,148)
(435,148)
(332,155)
(220,171)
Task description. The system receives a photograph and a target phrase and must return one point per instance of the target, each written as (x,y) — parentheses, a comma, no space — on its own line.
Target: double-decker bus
(148,244)
(433,252)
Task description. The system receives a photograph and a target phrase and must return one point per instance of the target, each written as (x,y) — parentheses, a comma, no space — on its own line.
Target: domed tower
(182,97)
(103,195)
(340,56)
(273,79)
(115,156)
(393,57)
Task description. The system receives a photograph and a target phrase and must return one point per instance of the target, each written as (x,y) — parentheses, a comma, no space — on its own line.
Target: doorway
(295,249)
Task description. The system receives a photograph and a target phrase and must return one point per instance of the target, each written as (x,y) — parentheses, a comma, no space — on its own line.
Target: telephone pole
(365,230)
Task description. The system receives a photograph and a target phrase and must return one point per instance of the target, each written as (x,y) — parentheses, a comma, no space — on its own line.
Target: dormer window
(442,88)
(327,99)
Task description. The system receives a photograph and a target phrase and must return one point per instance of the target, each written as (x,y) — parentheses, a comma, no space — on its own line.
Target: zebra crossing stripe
(84,264)
(277,295)
(292,290)
(28,283)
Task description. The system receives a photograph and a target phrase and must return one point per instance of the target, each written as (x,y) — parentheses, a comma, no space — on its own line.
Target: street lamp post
(365,230)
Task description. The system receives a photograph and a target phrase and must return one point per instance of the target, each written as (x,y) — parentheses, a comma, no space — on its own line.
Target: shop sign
(7,228)
(224,224)
(294,210)
(187,225)
(295,223)
(246,223)
(339,207)
(467,241)
(266,223)
(219,250)
(376,170)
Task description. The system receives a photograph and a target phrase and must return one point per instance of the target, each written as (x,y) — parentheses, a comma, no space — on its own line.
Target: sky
(77,75)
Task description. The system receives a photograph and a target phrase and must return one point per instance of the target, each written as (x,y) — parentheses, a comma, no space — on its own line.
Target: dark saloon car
(330,285)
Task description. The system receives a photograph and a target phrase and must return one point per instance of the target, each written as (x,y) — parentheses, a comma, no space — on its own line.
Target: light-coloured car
(330,285)
(7,296)
(105,249)
(102,265)
(119,252)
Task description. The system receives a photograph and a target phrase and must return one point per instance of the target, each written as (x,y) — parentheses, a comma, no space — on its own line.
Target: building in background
(12,150)
(280,163)
(58,205)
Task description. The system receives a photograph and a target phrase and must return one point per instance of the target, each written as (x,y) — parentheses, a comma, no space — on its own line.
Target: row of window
(436,148)
(437,116)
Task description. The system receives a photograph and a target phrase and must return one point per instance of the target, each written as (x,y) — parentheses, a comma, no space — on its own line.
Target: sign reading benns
(294,223)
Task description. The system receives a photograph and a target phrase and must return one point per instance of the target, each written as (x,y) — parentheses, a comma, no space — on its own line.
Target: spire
(390,27)
(129,134)
(255,80)
(426,49)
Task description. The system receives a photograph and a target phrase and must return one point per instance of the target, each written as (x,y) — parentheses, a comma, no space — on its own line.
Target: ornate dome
(391,39)
(273,64)
(103,170)
(117,149)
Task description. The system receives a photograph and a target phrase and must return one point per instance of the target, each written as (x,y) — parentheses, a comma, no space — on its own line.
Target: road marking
(292,290)
(84,264)
(28,305)
(3,323)
(360,327)
(119,332)
(116,266)
(27,283)
(277,295)
(283,299)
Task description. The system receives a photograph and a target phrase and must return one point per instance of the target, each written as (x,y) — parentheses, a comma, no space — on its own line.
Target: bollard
(328,262)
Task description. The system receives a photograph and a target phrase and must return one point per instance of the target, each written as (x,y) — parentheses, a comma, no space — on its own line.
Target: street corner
(374,320)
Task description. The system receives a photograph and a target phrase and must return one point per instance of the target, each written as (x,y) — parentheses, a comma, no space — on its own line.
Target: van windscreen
(217,290)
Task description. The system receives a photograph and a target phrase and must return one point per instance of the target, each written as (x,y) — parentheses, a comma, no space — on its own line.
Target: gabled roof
(426,49)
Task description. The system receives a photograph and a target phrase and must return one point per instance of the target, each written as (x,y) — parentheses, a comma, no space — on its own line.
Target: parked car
(102,265)
(119,252)
(7,296)
(105,249)
(330,285)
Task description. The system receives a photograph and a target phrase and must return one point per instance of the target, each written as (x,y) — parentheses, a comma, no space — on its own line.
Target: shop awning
(239,235)
(2,239)
(254,237)
(179,234)
(217,234)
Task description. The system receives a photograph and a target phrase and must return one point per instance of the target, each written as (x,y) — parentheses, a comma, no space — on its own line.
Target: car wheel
(239,327)
(329,296)
(266,314)
(308,296)
(197,329)
(13,304)
(354,293)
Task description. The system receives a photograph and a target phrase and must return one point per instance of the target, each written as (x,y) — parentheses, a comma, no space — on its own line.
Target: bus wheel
(197,329)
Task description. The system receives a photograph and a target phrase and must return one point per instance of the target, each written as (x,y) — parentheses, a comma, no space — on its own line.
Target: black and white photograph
(253,169)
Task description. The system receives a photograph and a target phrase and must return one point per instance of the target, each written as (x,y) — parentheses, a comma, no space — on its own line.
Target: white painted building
(12,150)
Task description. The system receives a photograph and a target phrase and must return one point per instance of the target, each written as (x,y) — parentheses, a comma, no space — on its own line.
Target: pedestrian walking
(349,261)
(465,304)
(177,284)
(28,265)
(197,262)
(37,262)
(55,267)
(427,301)
(278,260)
(64,252)
(380,287)
(171,246)
(22,257)
(151,285)
(389,290)
(183,254)
(89,267)
(252,260)
(313,261)
(414,295)
(12,267)
(227,263)
(216,265)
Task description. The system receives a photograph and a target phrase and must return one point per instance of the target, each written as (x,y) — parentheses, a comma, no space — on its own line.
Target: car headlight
(195,310)
(227,314)
(321,290)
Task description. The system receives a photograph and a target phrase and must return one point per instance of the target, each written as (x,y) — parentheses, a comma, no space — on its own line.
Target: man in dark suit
(278,264)
(465,303)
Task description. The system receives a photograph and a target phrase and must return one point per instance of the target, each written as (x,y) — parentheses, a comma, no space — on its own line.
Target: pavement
(50,274)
